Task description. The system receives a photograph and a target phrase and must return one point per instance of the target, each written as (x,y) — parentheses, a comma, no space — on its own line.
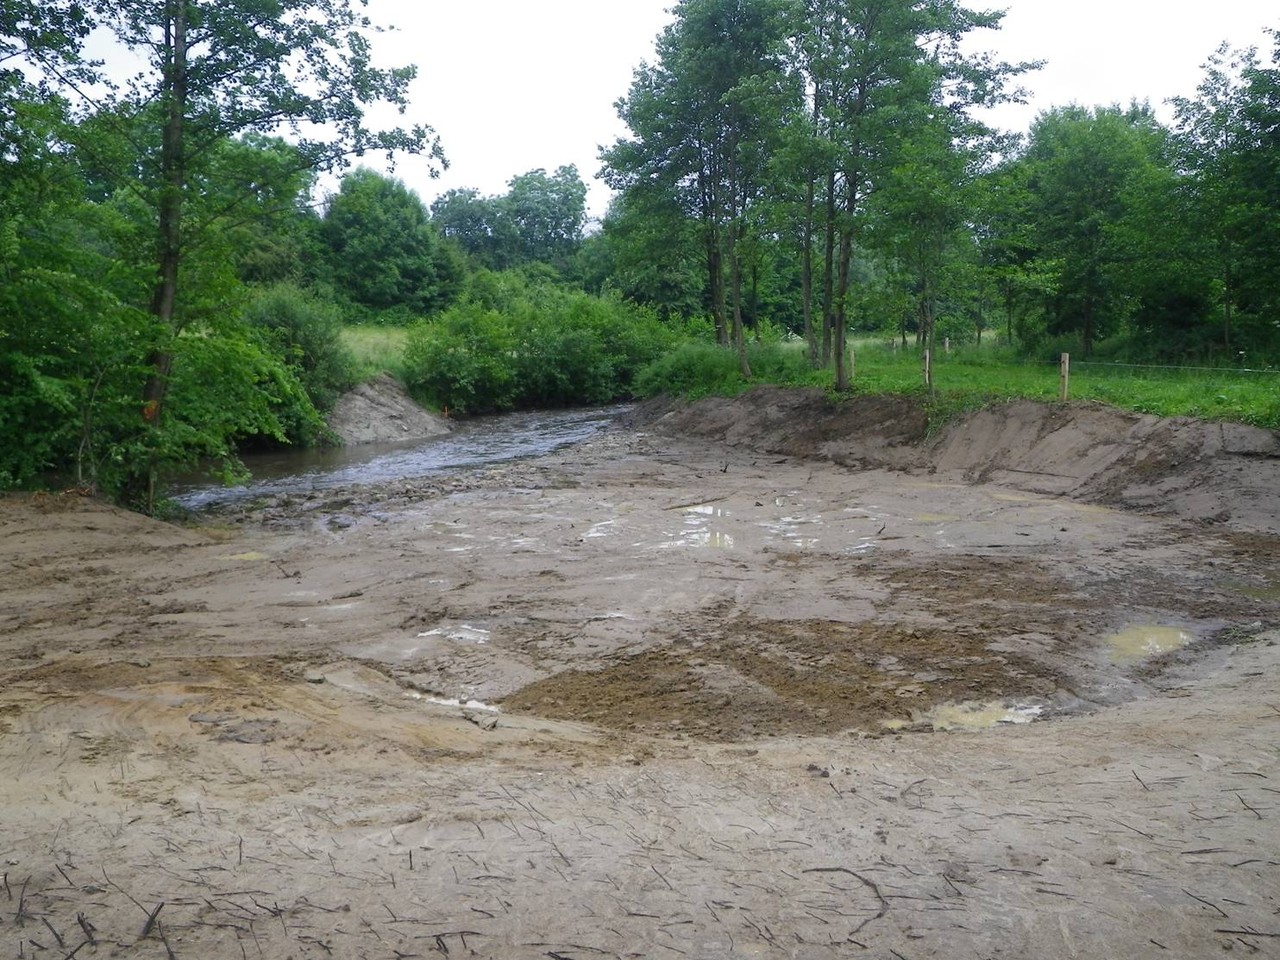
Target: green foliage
(972,377)
(383,251)
(462,360)
(307,332)
(549,212)
(375,350)
(517,345)
(697,369)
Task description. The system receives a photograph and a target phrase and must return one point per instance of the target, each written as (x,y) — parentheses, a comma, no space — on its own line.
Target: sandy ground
(725,685)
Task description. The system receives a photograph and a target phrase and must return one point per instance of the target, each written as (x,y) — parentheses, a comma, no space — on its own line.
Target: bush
(698,369)
(514,345)
(307,331)
(463,360)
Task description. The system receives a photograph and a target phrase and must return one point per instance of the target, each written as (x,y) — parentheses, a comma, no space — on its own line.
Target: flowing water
(474,443)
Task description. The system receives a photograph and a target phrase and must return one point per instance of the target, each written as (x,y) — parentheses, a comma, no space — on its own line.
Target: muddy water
(474,443)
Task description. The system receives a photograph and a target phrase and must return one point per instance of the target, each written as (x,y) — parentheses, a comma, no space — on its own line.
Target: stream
(479,442)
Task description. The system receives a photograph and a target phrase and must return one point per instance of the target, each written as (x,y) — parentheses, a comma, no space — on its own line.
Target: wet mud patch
(764,678)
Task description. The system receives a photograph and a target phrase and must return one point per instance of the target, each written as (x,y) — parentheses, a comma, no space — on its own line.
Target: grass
(969,378)
(376,350)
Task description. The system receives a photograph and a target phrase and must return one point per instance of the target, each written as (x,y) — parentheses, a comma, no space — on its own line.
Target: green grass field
(376,350)
(968,378)
(964,379)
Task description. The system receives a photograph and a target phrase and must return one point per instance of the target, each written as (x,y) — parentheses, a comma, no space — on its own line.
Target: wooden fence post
(1064,377)
(853,364)
(928,369)
(946,345)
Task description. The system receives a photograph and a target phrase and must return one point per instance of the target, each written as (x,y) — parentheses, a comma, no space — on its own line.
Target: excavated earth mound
(1197,470)
(381,411)
(665,692)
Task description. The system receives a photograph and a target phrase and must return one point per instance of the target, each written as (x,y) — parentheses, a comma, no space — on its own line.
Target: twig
(151,920)
(1247,933)
(56,935)
(869,884)
(87,927)
(1249,808)
(1139,779)
(165,940)
(1206,903)
(22,902)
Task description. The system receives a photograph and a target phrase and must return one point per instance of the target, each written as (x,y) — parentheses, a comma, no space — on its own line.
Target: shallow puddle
(701,529)
(1137,643)
(1267,591)
(793,530)
(969,716)
(463,633)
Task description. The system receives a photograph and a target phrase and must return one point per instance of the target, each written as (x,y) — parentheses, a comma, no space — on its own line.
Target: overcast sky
(514,85)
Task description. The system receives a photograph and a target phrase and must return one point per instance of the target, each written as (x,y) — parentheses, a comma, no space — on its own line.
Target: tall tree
(703,120)
(481,226)
(383,251)
(213,71)
(549,212)
(1227,144)
(876,70)
(1082,165)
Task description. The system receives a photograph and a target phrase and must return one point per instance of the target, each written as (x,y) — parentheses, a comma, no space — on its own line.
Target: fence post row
(1064,377)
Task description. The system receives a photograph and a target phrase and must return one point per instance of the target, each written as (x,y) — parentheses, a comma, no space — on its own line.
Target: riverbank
(707,656)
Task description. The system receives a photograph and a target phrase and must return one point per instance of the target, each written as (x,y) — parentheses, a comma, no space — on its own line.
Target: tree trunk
(838,321)
(806,276)
(828,277)
(715,277)
(735,273)
(169,229)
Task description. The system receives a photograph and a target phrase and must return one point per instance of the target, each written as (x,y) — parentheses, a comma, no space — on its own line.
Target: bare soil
(678,691)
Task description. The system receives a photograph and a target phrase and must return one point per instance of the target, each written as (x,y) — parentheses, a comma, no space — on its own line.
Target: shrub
(307,331)
(517,345)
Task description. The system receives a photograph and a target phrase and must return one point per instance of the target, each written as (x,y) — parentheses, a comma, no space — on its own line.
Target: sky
(516,85)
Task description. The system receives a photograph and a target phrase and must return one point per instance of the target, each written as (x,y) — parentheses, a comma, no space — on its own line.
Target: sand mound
(1209,472)
(381,411)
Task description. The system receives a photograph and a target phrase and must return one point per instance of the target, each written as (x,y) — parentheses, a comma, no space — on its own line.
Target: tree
(1081,167)
(923,210)
(875,70)
(548,213)
(653,254)
(1226,143)
(383,251)
(703,120)
(481,226)
(212,72)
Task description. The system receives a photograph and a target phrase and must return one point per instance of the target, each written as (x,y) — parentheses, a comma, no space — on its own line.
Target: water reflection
(474,443)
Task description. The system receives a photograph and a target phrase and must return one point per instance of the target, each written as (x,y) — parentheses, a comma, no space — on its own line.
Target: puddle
(969,716)
(789,529)
(444,702)
(600,529)
(1137,643)
(699,532)
(1269,591)
(464,633)
(154,696)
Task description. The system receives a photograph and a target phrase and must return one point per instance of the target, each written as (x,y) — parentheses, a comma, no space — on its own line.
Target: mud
(710,685)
